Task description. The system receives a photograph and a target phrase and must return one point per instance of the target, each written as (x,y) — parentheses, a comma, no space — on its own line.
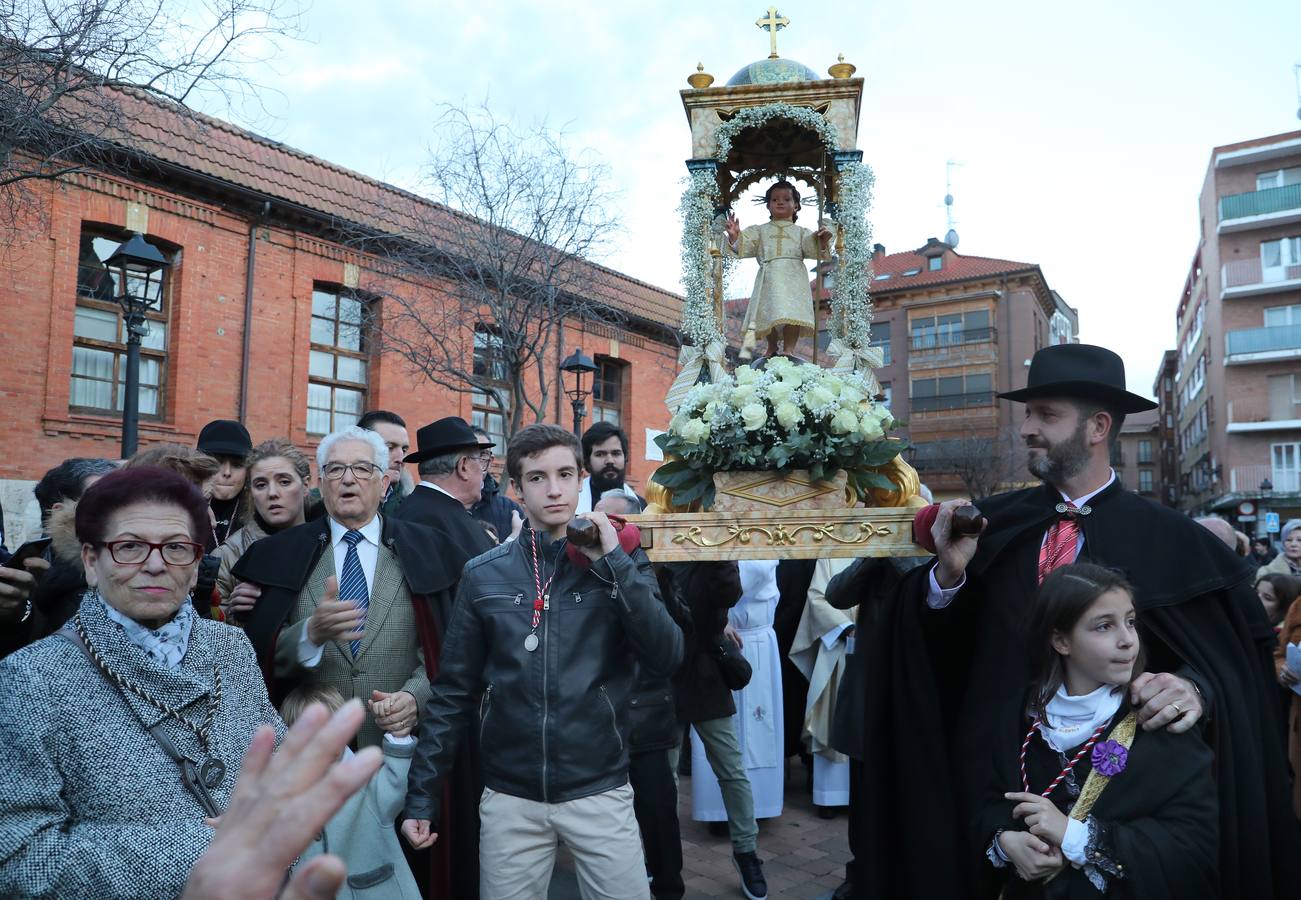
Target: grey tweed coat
(90,806)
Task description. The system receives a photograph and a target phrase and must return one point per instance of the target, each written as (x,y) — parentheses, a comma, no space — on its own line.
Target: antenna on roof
(951,236)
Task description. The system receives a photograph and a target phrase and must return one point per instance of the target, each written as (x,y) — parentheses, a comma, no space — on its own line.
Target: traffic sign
(1271,523)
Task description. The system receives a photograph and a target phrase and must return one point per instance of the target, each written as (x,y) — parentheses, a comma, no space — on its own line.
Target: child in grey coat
(362,832)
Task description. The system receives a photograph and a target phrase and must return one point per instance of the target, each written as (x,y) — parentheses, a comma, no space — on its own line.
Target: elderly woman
(121,733)
(1289,561)
(276,492)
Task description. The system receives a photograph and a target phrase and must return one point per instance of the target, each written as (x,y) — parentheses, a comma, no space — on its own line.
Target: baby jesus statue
(781,298)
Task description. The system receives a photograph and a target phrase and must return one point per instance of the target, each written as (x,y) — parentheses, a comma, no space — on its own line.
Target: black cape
(938,678)
(281,563)
(465,537)
(1157,818)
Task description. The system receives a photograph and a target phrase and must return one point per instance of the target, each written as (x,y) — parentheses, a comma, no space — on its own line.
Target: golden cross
(773,23)
(779,235)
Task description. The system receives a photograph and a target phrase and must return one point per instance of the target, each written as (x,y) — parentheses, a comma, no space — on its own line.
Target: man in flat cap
(948,650)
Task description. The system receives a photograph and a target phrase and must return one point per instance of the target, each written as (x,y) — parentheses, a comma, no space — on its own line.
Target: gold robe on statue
(781,294)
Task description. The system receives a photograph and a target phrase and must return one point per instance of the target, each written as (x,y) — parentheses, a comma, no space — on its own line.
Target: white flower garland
(756,116)
(850,304)
(700,198)
(850,301)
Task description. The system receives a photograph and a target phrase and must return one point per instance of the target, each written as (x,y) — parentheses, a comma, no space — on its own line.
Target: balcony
(1257,209)
(1245,278)
(953,348)
(1240,426)
(1255,345)
(946,402)
(1247,479)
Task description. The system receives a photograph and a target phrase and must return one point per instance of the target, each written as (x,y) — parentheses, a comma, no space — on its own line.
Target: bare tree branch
(65,66)
(982,464)
(506,256)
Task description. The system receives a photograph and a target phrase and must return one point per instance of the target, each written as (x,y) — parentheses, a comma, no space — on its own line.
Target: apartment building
(1238,375)
(955,331)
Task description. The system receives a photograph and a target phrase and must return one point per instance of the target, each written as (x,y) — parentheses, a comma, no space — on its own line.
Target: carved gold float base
(778,534)
(776,490)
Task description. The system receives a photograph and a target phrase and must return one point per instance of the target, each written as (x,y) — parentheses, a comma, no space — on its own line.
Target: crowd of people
(234,670)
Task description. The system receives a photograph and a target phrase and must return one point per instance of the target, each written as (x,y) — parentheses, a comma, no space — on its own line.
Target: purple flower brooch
(1109,758)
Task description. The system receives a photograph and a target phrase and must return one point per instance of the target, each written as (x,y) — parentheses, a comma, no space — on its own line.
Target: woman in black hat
(227,442)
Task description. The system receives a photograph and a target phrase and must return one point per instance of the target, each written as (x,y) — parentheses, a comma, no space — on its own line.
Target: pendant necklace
(211,772)
(542,600)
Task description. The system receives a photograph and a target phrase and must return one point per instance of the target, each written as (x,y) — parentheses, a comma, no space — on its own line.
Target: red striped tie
(1059,545)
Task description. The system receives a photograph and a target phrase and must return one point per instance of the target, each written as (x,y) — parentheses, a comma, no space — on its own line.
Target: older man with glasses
(354,600)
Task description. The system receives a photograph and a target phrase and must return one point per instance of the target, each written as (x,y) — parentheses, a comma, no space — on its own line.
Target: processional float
(782,457)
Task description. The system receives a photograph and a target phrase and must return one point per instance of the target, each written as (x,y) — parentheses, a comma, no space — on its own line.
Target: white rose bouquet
(787,415)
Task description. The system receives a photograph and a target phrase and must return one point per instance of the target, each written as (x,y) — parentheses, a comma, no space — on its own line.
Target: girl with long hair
(1080,800)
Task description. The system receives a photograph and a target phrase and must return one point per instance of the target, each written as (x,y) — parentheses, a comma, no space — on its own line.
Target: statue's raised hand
(733,228)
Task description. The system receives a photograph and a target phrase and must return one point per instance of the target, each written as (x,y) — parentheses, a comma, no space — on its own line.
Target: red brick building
(955,331)
(258,317)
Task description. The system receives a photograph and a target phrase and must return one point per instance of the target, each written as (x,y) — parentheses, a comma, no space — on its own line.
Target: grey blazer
(90,806)
(390,658)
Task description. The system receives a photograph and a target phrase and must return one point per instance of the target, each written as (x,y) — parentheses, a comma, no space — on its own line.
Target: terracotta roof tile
(956,268)
(223,151)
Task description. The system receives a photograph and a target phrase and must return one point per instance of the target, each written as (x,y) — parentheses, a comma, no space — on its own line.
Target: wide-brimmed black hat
(1080,371)
(225,437)
(444,436)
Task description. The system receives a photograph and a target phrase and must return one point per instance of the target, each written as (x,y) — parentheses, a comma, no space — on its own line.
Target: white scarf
(166,644)
(1072,720)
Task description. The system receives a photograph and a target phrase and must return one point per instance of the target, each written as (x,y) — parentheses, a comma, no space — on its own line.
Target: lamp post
(140,268)
(578,364)
(1266,490)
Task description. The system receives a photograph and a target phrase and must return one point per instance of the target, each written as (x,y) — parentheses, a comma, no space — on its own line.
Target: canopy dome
(773,71)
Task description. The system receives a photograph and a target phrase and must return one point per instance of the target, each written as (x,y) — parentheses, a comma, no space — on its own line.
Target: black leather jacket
(552,721)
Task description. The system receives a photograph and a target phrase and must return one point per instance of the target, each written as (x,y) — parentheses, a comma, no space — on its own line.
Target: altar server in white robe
(758,717)
(820,652)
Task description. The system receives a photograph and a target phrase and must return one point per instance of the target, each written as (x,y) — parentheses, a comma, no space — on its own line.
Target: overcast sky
(1084,135)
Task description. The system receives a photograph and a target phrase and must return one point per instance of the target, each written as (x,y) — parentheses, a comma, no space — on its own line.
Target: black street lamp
(578,364)
(1266,490)
(139,266)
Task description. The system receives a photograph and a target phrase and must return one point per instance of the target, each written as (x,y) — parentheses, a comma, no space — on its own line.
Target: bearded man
(605,457)
(948,650)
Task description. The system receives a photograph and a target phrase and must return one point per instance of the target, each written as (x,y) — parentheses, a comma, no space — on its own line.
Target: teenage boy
(547,648)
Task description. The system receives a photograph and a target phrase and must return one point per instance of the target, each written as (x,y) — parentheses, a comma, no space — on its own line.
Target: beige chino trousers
(518,840)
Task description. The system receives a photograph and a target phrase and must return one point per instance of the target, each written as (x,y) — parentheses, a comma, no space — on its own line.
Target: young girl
(1081,801)
(781,299)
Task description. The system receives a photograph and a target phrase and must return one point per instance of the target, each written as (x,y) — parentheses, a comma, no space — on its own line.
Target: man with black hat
(229,443)
(449,458)
(949,651)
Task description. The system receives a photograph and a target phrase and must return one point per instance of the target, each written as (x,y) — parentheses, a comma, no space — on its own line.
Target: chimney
(878,249)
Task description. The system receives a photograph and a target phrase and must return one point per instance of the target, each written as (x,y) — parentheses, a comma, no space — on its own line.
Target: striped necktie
(1059,544)
(352,586)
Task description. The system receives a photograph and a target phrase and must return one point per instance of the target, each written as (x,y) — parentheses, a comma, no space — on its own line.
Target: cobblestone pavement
(803,855)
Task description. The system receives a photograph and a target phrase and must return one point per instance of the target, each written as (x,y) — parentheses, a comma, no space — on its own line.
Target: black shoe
(844,892)
(827,812)
(750,869)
